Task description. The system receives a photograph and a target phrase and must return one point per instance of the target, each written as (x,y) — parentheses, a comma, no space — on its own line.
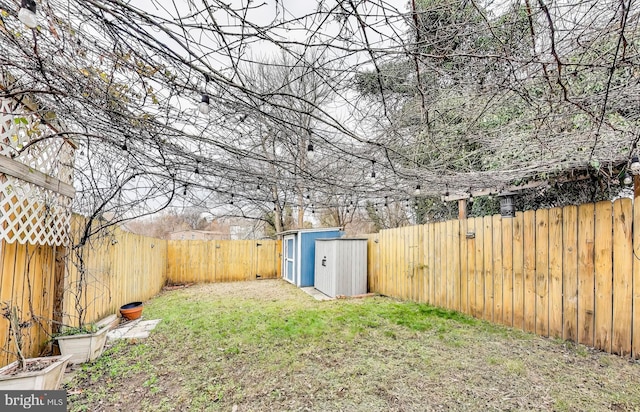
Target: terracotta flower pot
(131,311)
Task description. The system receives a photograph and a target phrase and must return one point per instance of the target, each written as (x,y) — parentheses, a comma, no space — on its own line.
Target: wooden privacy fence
(27,281)
(571,273)
(222,260)
(118,269)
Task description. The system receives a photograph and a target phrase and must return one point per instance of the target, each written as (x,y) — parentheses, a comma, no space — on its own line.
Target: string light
(27,14)
(635,165)
(310,153)
(204,107)
(372,178)
(627,180)
(417,191)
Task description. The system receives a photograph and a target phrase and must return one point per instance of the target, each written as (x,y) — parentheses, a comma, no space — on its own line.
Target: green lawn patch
(266,345)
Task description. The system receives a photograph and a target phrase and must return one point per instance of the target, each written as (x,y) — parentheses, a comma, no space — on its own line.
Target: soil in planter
(29,367)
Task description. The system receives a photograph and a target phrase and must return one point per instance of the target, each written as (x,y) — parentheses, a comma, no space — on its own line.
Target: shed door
(289,258)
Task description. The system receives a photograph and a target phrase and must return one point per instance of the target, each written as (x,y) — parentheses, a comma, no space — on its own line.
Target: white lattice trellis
(30,213)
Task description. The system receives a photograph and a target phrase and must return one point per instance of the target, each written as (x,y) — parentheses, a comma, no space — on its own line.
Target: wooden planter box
(48,378)
(86,347)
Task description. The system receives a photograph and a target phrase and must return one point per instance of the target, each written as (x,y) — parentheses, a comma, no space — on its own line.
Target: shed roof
(322,229)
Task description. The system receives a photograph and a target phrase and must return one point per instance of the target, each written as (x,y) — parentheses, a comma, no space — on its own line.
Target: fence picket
(518,270)
(471,264)
(542,272)
(497,269)
(622,277)
(635,253)
(479,268)
(603,275)
(586,222)
(507,270)
(529,236)
(570,272)
(464,286)
(555,272)
(488,268)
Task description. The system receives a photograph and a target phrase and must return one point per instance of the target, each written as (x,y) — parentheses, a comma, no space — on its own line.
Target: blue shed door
(289,258)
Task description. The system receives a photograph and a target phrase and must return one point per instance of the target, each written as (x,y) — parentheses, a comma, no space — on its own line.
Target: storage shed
(341,266)
(298,253)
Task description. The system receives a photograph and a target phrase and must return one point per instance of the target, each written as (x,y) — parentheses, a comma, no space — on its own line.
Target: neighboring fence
(571,273)
(222,260)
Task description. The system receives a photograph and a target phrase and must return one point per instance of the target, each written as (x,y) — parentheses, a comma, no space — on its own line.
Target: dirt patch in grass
(266,345)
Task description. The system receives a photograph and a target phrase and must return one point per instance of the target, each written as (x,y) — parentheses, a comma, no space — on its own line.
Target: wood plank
(488,268)
(390,277)
(9,251)
(479,268)
(407,278)
(518,270)
(622,277)
(451,272)
(586,307)
(424,262)
(542,272)
(496,225)
(570,272)
(555,272)
(635,327)
(388,262)
(455,268)
(471,264)
(431,233)
(464,286)
(371,288)
(437,264)
(382,271)
(507,270)
(603,266)
(529,243)
(417,264)
(444,269)
(397,268)
(21,171)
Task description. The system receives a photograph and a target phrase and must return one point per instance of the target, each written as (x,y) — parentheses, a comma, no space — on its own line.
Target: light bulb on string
(635,165)
(27,14)
(311,154)
(627,180)
(372,177)
(204,107)
(417,191)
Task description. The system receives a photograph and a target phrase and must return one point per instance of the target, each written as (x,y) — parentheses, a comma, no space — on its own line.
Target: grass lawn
(266,345)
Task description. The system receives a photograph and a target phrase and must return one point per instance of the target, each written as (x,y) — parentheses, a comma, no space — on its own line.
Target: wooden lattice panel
(32,214)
